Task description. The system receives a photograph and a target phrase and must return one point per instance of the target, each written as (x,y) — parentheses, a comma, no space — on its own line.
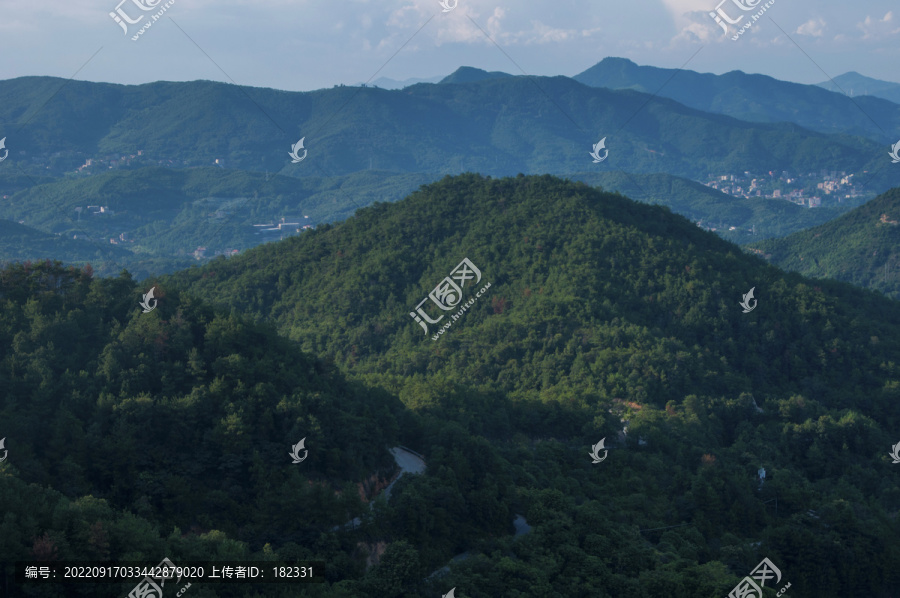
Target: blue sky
(310,44)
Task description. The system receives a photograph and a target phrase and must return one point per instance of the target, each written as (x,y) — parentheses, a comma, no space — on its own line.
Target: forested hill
(136,436)
(601,311)
(593,317)
(861,247)
(590,292)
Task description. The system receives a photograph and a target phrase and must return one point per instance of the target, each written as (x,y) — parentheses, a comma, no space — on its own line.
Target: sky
(301,45)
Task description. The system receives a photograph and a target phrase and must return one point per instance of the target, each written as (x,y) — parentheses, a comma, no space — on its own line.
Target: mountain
(590,312)
(387,83)
(141,425)
(498,126)
(861,247)
(20,243)
(754,98)
(158,220)
(740,220)
(856,85)
(154,219)
(136,435)
(468,74)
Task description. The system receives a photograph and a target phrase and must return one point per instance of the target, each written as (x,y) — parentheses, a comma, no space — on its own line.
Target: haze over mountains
(756,98)
(497,125)
(498,322)
(490,122)
(855,85)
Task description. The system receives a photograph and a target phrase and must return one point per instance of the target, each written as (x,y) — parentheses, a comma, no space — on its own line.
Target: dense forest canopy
(139,436)
(861,247)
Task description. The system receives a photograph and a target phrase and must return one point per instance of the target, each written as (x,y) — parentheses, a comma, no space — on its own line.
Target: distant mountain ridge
(468,74)
(856,85)
(754,98)
(498,126)
(388,83)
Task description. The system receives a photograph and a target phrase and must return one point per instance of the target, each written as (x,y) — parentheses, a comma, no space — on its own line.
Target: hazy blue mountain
(387,83)
(468,74)
(856,85)
(754,98)
(496,126)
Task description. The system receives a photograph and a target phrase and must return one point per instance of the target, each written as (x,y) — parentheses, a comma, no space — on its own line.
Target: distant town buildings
(797,189)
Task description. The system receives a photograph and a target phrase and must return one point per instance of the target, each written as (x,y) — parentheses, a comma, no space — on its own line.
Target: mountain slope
(165,214)
(19,243)
(125,428)
(528,229)
(604,319)
(754,98)
(752,219)
(495,126)
(861,247)
(603,312)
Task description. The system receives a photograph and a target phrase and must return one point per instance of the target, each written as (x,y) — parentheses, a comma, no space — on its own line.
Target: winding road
(408,462)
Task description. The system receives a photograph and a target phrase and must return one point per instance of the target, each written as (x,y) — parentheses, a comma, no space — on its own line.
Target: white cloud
(878,28)
(813,27)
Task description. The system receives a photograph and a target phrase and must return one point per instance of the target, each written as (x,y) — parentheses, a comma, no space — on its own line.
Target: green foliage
(166,214)
(861,247)
(768,217)
(182,416)
(605,319)
(497,126)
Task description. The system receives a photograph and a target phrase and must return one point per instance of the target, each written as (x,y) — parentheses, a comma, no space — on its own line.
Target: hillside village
(805,190)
